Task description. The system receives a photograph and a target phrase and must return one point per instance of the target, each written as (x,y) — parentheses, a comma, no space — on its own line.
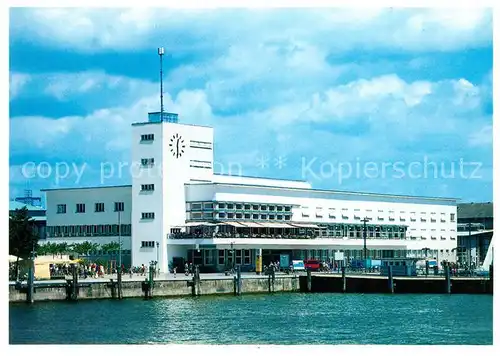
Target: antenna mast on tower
(161,52)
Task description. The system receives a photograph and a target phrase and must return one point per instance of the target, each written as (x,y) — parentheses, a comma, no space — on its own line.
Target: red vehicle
(312,265)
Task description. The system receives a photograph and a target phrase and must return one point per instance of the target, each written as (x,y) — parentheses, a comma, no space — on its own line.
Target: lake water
(293,318)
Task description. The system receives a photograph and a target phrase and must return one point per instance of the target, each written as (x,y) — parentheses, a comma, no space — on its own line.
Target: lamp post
(119,269)
(469,254)
(365,220)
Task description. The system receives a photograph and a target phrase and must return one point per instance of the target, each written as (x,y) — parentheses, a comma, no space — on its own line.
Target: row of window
(147,187)
(147,162)
(149,243)
(89,230)
(238,206)
(147,137)
(147,216)
(248,216)
(98,207)
(247,257)
(332,213)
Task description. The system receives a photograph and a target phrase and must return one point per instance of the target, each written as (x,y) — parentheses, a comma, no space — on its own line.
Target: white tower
(165,156)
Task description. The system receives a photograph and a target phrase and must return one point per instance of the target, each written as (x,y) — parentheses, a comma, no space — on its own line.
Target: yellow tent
(42,264)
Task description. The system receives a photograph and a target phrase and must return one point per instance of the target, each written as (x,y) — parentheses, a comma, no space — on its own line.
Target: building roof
(94,187)
(344,192)
(256,177)
(475,210)
(13,205)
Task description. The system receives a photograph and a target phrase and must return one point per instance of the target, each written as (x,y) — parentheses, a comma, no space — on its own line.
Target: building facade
(475,233)
(178,210)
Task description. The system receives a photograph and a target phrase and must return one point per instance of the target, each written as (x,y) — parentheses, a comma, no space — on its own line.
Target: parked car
(313,265)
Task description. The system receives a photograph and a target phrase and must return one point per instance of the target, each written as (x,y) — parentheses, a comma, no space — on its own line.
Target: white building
(179,209)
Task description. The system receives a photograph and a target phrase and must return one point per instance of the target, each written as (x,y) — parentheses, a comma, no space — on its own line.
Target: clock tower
(180,154)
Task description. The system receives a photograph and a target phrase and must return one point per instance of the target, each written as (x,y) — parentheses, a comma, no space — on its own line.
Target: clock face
(177,145)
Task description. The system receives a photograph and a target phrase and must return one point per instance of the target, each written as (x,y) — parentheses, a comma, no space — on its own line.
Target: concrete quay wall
(162,288)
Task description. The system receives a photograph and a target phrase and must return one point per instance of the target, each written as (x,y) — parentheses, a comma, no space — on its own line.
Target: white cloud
(65,86)
(119,29)
(482,137)
(17,82)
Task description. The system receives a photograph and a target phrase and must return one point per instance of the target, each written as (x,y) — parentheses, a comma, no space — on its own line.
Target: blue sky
(315,94)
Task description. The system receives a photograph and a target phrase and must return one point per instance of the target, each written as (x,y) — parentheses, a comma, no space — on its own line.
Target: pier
(212,284)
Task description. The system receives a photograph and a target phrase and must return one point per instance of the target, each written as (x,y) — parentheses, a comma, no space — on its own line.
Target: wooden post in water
(447,278)
(391,280)
(30,295)
(344,281)
(74,286)
(238,281)
(309,281)
(273,279)
(119,280)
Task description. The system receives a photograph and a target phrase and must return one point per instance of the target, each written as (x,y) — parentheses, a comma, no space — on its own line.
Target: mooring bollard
(391,280)
(309,281)
(447,279)
(344,281)
(195,290)
(30,295)
(238,281)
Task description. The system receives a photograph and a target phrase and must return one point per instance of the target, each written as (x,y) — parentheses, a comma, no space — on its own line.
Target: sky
(395,101)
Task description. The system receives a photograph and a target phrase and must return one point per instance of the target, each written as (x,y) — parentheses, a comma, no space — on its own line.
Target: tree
(23,235)
(85,247)
(110,247)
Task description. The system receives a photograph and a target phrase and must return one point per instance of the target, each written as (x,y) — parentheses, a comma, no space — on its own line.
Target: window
(288,208)
(272,208)
(263,216)
(195,206)
(61,208)
(279,208)
(80,208)
(99,207)
(247,216)
(119,206)
(196,215)
(255,216)
(147,244)
(222,215)
(255,207)
(221,256)
(279,217)
(247,206)
(147,162)
(230,215)
(452,217)
(148,216)
(230,206)
(239,215)
(287,217)
(222,206)
(147,187)
(239,206)
(208,206)
(238,257)
(246,260)
(272,217)
(148,137)
(263,207)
